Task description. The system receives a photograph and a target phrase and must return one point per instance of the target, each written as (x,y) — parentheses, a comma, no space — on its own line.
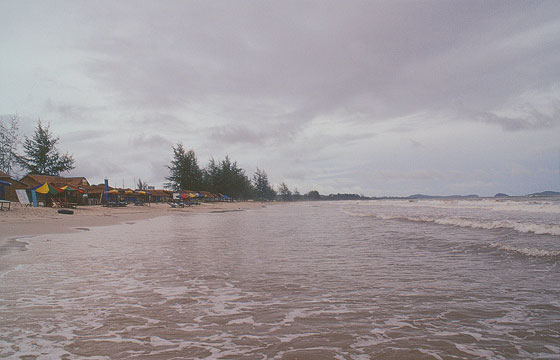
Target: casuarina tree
(8,142)
(184,172)
(41,155)
(284,192)
(263,189)
(226,177)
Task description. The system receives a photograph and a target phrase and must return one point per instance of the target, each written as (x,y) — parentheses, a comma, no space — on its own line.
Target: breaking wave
(522,227)
(527,251)
(529,206)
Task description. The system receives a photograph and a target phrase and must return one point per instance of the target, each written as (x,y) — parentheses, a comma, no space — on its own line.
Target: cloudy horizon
(372,97)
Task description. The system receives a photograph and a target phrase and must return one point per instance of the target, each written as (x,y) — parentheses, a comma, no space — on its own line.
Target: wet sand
(26,221)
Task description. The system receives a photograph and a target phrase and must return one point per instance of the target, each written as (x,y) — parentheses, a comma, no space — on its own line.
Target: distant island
(545,193)
(539,194)
(423,196)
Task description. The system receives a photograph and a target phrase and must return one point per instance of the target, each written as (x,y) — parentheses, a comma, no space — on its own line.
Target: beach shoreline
(20,222)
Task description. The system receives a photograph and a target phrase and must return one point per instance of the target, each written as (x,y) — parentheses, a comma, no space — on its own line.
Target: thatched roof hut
(10,191)
(32,180)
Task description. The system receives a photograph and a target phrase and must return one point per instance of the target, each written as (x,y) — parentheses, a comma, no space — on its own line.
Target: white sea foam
(529,206)
(554,349)
(539,229)
(247,320)
(479,353)
(134,296)
(431,353)
(527,251)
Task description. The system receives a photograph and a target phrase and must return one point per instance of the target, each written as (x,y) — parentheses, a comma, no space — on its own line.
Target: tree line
(226,177)
(41,156)
(219,176)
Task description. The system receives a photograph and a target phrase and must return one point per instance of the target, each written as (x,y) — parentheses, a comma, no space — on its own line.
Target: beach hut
(160,195)
(10,191)
(92,194)
(71,195)
(3,185)
(32,180)
(3,201)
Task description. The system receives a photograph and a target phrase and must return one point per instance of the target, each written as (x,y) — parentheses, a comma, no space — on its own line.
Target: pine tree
(41,155)
(284,192)
(263,189)
(226,177)
(9,135)
(185,174)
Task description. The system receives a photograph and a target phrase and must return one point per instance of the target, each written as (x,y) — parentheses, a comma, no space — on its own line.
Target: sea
(382,279)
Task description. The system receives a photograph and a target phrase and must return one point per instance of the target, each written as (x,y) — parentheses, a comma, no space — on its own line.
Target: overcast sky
(371,97)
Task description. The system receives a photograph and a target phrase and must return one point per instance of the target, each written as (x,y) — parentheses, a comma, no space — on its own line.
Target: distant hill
(545,193)
(501,195)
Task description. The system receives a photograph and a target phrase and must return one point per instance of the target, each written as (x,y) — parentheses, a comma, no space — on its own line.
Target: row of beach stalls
(194,197)
(46,190)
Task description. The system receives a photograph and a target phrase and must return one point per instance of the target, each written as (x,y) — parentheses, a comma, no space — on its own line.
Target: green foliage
(314,195)
(263,189)
(184,172)
(41,155)
(284,192)
(9,136)
(226,177)
(141,185)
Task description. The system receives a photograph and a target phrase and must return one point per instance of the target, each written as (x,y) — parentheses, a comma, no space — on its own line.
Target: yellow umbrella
(142,192)
(46,188)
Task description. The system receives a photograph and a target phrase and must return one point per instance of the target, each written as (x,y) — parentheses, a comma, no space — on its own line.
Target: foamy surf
(297,281)
(527,205)
(532,252)
(538,229)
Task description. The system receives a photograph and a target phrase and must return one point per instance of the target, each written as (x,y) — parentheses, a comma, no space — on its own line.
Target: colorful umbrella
(46,188)
(69,188)
(141,192)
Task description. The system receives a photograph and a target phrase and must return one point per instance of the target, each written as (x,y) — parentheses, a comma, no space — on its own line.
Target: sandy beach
(27,221)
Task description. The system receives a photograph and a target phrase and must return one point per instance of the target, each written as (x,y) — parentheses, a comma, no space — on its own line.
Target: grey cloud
(81,136)
(531,119)
(402,57)
(66,111)
(296,87)
(415,144)
(238,134)
(142,141)
(159,120)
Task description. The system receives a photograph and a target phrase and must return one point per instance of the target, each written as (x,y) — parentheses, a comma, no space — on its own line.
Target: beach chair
(22,197)
(171,204)
(3,204)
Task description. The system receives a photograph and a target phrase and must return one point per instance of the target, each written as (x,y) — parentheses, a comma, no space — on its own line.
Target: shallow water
(332,280)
